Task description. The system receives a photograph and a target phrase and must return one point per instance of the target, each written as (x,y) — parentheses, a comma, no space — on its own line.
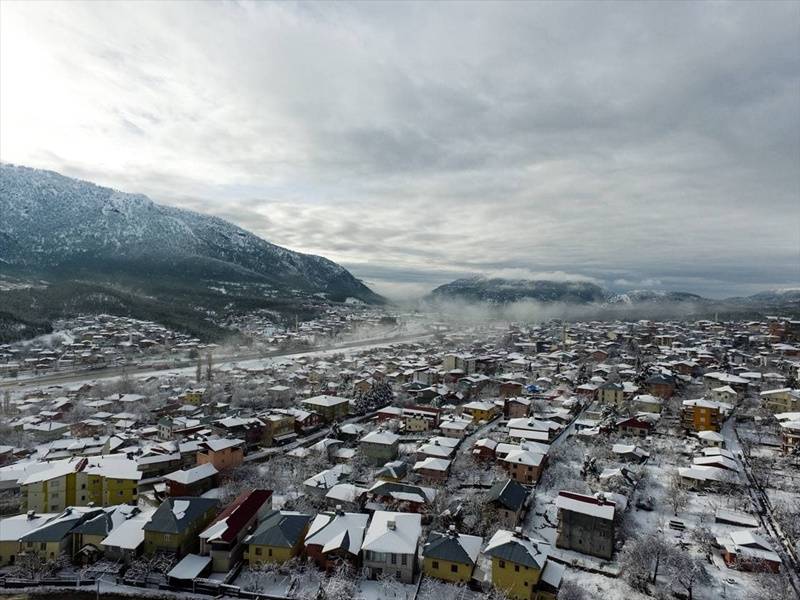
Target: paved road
(109,372)
(761,500)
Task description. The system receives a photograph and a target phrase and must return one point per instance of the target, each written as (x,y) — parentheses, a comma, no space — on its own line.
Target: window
(83,486)
(516,568)
(394,558)
(502,564)
(269,551)
(454,568)
(258,551)
(43,546)
(404,559)
(435,564)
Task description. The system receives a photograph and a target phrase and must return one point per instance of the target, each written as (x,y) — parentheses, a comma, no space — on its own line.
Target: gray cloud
(650,144)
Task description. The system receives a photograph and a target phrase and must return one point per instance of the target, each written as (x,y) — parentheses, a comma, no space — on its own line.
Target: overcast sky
(640,145)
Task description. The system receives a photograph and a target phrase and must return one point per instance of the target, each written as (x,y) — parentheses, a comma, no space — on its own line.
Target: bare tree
(570,590)
(433,589)
(340,584)
(687,571)
(676,494)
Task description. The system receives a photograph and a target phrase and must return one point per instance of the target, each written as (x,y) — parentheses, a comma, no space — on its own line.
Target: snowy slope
(56,224)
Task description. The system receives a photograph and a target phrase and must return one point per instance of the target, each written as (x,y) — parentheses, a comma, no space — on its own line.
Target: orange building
(224,454)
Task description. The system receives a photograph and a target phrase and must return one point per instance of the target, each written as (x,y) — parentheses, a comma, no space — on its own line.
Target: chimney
(452,531)
(90,505)
(391,525)
(339,510)
(31,514)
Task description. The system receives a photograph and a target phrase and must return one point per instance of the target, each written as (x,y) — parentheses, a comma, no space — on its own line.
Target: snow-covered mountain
(502,291)
(653,297)
(498,291)
(61,227)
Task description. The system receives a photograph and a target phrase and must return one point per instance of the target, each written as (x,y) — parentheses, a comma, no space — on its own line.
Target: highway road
(64,377)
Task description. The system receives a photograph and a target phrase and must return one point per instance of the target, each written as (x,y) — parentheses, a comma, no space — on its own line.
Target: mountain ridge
(495,290)
(60,226)
(69,246)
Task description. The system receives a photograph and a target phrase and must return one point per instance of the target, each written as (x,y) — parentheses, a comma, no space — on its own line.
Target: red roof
(241,511)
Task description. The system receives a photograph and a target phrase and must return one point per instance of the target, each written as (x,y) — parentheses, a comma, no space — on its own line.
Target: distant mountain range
(72,233)
(497,291)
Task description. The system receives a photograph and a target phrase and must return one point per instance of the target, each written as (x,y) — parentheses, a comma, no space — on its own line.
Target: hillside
(126,252)
(585,299)
(501,291)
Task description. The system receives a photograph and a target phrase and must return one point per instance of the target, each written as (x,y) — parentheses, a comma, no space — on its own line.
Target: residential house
(13,528)
(611,393)
(725,394)
(508,499)
(781,400)
(330,408)
(279,428)
(648,403)
(250,429)
(278,538)
(451,556)
(87,538)
(525,466)
(432,469)
(390,545)
(639,426)
(790,434)
(396,470)
(661,386)
(484,449)
(520,567)
(516,407)
(126,541)
(192,482)
(748,551)
(454,427)
(586,524)
(54,488)
(711,438)
(480,410)
(701,415)
(335,537)
(380,447)
(176,523)
(223,454)
(420,418)
(400,497)
(224,538)
(54,537)
(630,453)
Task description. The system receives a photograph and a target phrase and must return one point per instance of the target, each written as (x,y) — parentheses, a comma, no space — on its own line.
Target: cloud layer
(632,144)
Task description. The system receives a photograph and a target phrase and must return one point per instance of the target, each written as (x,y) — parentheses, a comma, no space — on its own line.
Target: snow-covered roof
(130,533)
(192,475)
(190,567)
(380,437)
(12,528)
(393,532)
(587,505)
(338,530)
(432,464)
(325,401)
(518,548)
